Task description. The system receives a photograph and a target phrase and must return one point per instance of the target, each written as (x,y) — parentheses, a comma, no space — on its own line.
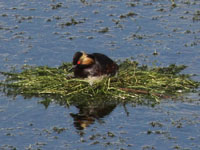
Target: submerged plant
(133,83)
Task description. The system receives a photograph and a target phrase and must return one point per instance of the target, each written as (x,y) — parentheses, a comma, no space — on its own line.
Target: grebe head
(81,58)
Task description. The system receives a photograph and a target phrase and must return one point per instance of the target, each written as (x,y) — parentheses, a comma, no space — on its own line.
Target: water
(42,33)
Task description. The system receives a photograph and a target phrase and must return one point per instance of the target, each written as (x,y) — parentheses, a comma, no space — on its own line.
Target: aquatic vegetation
(72,22)
(103,30)
(56,6)
(134,83)
(129,14)
(196,16)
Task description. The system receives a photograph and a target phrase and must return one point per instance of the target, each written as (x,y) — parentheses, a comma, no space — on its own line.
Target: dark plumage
(95,64)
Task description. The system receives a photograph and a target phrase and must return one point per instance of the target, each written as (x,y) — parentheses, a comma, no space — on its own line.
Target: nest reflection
(89,113)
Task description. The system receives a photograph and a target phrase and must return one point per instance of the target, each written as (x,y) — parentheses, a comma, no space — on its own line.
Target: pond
(154,32)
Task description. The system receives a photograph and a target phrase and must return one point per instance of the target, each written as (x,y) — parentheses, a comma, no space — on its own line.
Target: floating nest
(133,83)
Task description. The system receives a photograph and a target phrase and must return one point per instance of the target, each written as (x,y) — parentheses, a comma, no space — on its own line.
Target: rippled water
(49,32)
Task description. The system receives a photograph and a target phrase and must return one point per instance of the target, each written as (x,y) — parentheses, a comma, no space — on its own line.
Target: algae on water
(133,83)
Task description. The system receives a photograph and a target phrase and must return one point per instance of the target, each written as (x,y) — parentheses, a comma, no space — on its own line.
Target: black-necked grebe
(90,65)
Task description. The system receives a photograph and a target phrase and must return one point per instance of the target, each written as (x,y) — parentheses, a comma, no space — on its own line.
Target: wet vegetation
(134,83)
(196,16)
(72,22)
(165,32)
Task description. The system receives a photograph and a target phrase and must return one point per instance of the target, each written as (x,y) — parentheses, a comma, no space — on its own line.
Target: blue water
(32,32)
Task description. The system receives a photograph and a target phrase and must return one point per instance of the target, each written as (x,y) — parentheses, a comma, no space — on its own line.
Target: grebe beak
(72,68)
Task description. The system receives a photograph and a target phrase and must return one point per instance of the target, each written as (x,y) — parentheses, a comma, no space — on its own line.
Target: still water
(49,32)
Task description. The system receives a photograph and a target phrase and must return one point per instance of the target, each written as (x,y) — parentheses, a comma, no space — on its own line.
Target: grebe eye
(78,62)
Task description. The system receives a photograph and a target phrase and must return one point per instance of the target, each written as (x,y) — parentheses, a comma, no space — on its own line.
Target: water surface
(49,32)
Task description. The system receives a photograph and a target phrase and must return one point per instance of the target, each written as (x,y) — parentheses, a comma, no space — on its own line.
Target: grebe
(91,65)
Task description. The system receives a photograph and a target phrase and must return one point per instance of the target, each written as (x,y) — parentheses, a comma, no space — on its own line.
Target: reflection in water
(88,113)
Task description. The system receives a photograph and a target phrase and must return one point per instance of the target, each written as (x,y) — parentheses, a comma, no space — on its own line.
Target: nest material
(132,83)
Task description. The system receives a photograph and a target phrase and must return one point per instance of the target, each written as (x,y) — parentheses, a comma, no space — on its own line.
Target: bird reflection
(89,113)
